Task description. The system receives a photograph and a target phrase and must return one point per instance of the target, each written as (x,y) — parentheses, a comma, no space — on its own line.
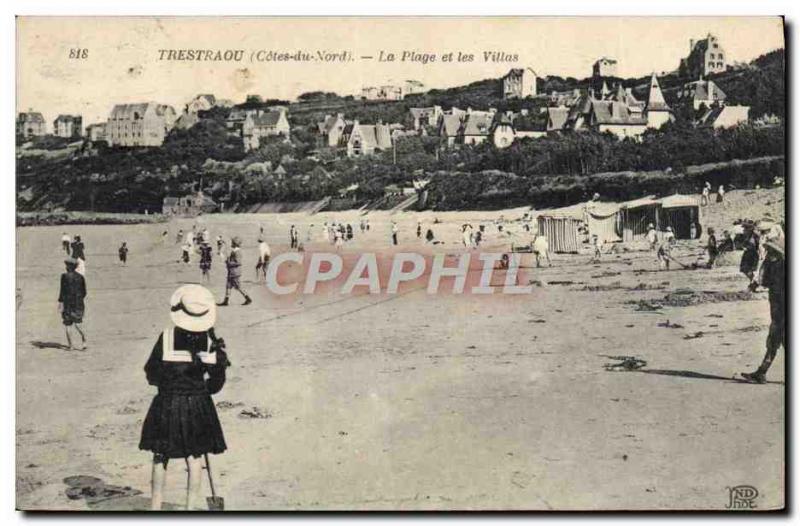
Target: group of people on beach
(188,361)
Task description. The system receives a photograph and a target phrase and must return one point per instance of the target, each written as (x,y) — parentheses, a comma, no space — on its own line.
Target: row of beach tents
(568,227)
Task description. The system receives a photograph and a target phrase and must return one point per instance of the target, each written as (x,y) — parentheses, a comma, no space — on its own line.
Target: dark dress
(77,250)
(205,258)
(71,295)
(182,420)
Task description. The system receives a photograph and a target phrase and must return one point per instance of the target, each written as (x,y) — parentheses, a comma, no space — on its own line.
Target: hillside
(91,177)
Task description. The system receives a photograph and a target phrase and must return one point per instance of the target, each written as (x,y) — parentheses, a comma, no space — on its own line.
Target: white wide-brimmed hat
(193,308)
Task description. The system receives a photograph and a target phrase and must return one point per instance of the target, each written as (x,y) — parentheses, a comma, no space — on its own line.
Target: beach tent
(561,232)
(634,216)
(680,212)
(602,221)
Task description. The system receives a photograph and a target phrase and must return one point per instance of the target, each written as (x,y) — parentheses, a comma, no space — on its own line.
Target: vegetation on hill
(554,169)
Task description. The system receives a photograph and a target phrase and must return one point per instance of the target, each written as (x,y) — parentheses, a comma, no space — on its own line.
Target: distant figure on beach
(293,237)
(541,247)
(205,261)
(65,241)
(706,194)
(164,236)
(234,266)
(721,193)
(337,238)
(652,237)
(394,233)
(349,230)
(186,250)
(71,297)
(179,236)
(429,236)
(419,229)
(597,244)
(263,259)
(187,365)
(711,247)
(77,248)
(123,253)
(664,253)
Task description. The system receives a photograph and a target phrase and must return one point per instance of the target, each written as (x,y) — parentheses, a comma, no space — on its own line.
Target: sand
(410,401)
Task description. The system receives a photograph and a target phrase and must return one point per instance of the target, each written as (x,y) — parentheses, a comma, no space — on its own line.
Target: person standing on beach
(704,197)
(598,247)
(79,255)
(263,259)
(179,236)
(65,239)
(186,251)
(772,275)
(652,237)
(394,233)
(721,194)
(713,251)
(220,247)
(187,365)
(292,237)
(205,261)
(419,230)
(234,266)
(123,254)
(71,297)
(664,253)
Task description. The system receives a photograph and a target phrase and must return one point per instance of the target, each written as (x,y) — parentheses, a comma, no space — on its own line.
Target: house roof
(327,124)
(556,118)
(700,90)
(68,118)
(711,116)
(127,111)
(31,116)
(270,118)
(374,135)
(477,124)
(450,125)
(613,112)
(655,98)
(518,72)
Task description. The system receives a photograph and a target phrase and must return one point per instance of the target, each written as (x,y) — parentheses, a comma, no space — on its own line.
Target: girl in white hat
(187,365)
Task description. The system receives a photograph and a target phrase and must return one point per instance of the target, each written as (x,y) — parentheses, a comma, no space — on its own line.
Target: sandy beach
(410,401)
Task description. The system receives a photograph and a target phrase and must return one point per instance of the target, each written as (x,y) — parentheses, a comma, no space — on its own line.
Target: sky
(122,63)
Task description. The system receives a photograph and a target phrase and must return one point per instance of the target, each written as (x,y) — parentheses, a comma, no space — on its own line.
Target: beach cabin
(562,232)
(636,215)
(680,212)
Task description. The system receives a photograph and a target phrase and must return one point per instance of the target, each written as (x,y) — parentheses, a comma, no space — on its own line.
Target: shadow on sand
(696,375)
(100,496)
(49,345)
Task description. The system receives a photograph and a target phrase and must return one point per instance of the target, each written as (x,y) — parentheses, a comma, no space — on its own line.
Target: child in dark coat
(187,365)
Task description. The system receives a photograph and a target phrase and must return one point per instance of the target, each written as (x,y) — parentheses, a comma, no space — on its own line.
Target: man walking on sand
(394,233)
(234,265)
(70,301)
(771,274)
